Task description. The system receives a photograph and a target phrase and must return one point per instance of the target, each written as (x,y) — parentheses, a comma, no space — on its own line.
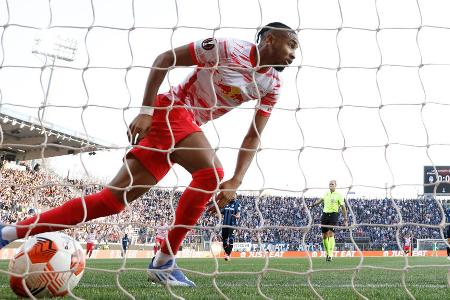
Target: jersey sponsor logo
(208,44)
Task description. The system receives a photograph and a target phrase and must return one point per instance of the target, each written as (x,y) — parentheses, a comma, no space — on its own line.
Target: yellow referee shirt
(332,201)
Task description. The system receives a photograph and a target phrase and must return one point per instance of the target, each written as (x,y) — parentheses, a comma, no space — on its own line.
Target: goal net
(365,102)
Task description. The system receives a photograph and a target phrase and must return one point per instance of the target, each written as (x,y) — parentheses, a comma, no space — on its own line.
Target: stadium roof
(23,137)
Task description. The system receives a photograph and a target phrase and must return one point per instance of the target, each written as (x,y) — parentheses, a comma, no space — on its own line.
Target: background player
(90,242)
(161,234)
(125,244)
(246,72)
(332,201)
(407,245)
(231,214)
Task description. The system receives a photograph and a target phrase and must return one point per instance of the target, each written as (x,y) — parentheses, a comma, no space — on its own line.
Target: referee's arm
(317,202)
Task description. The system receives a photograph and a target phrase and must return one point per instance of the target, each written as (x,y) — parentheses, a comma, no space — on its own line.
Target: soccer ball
(47,265)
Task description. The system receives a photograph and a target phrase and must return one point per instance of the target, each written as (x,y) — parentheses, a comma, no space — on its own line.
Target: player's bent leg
(191,206)
(196,155)
(139,183)
(107,202)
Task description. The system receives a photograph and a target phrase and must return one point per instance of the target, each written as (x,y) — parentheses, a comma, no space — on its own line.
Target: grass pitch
(281,278)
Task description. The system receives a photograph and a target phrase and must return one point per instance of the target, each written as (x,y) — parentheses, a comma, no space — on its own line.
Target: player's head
(332,185)
(277,45)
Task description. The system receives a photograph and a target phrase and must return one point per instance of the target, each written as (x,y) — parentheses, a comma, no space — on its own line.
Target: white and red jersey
(225,78)
(408,241)
(90,238)
(161,232)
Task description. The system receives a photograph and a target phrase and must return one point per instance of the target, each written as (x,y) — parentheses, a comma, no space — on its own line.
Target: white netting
(364,103)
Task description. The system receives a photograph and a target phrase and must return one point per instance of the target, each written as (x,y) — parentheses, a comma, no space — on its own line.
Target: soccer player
(167,131)
(90,242)
(407,245)
(161,233)
(332,201)
(125,244)
(231,214)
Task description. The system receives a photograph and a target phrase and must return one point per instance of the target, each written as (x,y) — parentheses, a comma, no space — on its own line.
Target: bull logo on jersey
(208,44)
(231,92)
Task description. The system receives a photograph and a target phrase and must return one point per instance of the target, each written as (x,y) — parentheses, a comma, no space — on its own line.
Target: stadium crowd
(268,219)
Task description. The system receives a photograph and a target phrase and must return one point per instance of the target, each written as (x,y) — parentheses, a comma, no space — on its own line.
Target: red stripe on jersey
(245,58)
(248,77)
(192,51)
(252,56)
(235,60)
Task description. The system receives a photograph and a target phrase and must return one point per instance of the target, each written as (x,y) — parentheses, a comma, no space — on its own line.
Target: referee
(231,214)
(332,200)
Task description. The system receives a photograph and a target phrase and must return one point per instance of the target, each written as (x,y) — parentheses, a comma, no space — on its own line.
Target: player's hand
(345,222)
(228,192)
(139,128)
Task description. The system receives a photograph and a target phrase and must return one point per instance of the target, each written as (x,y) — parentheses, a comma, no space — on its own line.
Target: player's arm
(142,123)
(160,67)
(237,214)
(245,156)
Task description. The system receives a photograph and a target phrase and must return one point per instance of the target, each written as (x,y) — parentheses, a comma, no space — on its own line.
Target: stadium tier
(285,219)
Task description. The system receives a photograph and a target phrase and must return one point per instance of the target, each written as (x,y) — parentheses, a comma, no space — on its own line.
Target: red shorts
(406,248)
(90,246)
(182,124)
(159,240)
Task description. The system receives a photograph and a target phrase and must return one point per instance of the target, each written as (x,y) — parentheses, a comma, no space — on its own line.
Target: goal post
(431,244)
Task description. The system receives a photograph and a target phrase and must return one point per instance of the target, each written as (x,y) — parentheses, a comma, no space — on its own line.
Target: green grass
(424,282)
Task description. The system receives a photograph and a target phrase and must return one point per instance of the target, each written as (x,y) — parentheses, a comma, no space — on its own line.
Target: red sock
(191,206)
(101,204)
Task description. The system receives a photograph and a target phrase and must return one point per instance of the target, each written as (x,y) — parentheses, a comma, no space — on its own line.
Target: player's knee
(208,179)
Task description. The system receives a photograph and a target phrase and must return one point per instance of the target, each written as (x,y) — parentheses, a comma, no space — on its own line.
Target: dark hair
(270,26)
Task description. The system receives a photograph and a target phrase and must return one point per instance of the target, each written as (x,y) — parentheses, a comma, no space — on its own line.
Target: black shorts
(329,219)
(448,231)
(227,233)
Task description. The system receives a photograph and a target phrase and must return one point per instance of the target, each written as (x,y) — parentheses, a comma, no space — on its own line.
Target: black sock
(448,251)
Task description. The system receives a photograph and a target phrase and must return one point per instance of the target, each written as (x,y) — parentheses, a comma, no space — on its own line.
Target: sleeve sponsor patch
(208,44)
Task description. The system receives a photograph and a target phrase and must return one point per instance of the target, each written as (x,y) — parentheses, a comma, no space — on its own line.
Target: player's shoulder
(236,45)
